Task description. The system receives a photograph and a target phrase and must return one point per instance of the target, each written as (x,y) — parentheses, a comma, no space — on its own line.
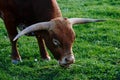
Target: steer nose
(67,60)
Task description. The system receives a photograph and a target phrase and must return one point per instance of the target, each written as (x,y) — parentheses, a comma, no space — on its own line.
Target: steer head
(58,36)
(60,40)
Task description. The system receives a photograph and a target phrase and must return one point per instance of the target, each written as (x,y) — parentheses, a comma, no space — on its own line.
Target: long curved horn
(35,27)
(83,20)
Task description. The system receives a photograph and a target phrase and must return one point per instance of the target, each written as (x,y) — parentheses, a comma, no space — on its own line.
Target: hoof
(16,61)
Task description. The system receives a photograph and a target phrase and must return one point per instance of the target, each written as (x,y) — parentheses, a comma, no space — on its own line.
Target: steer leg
(12,32)
(43,52)
(15,54)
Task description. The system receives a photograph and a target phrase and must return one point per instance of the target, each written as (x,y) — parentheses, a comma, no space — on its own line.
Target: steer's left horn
(83,20)
(35,27)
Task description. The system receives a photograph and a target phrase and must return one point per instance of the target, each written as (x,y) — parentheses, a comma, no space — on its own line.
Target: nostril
(66,59)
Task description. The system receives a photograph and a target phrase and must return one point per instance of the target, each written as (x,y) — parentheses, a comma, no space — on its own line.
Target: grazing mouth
(67,60)
(65,65)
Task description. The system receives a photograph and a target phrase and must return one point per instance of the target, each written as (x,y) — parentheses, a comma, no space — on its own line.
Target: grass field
(96,48)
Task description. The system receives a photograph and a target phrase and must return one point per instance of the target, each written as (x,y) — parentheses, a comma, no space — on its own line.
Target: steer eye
(56,42)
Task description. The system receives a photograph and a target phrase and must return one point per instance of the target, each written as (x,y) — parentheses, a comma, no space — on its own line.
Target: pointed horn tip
(100,20)
(15,39)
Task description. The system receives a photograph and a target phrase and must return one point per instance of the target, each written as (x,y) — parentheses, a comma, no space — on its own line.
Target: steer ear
(83,20)
(35,27)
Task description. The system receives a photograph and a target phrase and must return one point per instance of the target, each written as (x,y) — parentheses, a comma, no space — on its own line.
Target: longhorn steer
(48,26)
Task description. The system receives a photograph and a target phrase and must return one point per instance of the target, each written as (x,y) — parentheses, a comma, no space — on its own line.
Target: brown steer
(48,26)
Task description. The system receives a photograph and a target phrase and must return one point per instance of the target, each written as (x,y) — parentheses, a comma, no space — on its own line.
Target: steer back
(30,11)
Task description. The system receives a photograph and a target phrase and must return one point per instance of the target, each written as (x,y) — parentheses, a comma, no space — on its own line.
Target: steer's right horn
(83,20)
(35,27)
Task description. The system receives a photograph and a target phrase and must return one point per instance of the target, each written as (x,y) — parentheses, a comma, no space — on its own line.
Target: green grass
(96,48)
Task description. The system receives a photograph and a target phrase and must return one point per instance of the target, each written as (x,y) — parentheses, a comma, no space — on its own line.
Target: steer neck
(56,9)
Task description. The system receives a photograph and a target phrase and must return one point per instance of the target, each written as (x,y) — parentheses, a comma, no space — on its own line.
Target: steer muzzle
(67,60)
